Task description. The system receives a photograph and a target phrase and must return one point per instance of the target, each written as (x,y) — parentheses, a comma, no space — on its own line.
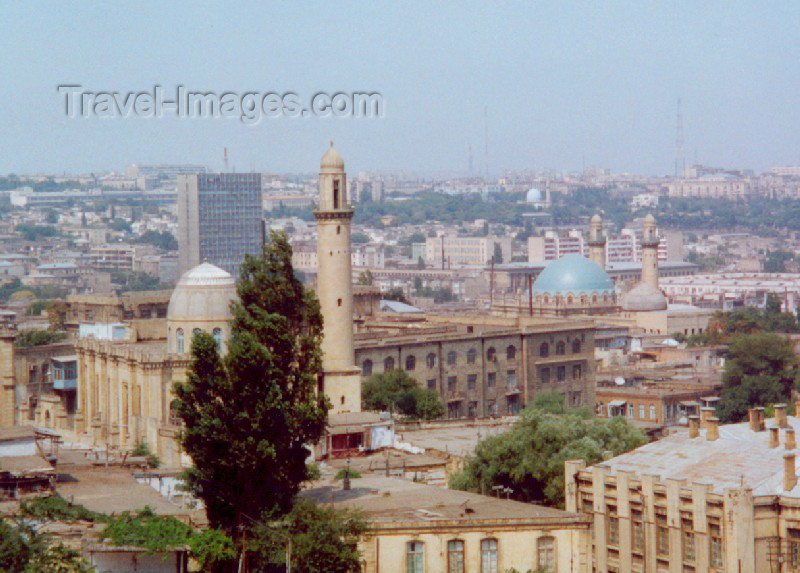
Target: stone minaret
(650,242)
(341,378)
(7,380)
(597,241)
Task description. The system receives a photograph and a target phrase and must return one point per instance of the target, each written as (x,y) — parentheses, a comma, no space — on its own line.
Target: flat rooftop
(392,500)
(739,458)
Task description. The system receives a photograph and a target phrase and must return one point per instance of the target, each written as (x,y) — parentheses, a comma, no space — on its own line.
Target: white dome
(643,298)
(202,294)
(332,160)
(533,196)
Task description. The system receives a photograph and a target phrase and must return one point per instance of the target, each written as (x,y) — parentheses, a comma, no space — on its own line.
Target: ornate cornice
(333,215)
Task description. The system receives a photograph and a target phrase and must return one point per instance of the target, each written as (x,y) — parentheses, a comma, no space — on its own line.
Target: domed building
(644,298)
(201,301)
(537,198)
(125,385)
(573,285)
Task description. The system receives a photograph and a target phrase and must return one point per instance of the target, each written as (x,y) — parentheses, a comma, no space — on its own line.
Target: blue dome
(573,274)
(533,196)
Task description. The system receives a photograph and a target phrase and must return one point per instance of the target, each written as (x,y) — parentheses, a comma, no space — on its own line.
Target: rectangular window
(794,548)
(455,556)
(546,554)
(652,412)
(489,556)
(630,410)
(432,384)
(637,532)
(472,380)
(511,377)
(577,372)
(687,539)
(662,536)
(715,541)
(641,411)
(544,375)
(491,377)
(451,383)
(415,553)
(613,530)
(561,373)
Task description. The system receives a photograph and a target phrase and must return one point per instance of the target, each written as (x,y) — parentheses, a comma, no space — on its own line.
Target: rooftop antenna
(225,157)
(680,160)
(470,160)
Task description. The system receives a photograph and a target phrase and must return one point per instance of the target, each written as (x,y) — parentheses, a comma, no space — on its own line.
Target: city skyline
(562,87)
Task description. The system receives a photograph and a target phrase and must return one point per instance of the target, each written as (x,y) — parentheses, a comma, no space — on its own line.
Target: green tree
(529,458)
(498,254)
(395,294)
(396,391)
(161,239)
(57,315)
(23,550)
(29,338)
(365,278)
(761,369)
(251,417)
(323,540)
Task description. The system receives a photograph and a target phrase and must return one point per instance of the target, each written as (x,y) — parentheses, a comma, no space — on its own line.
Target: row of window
(545,373)
(181,345)
(619,410)
(452,357)
(688,540)
(456,563)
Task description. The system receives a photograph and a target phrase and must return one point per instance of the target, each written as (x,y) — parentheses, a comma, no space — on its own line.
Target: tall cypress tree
(251,416)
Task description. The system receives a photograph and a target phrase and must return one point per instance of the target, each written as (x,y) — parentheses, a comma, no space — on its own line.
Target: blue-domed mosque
(573,284)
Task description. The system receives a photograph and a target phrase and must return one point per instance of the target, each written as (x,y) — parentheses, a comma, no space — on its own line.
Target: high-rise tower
(341,378)
(597,241)
(650,242)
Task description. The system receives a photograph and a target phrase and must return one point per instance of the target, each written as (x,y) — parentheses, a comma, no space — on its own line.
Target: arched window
(491,354)
(489,556)
(430,360)
(218,338)
(546,554)
(561,348)
(388,364)
(576,346)
(415,557)
(511,352)
(471,355)
(455,556)
(544,350)
(366,367)
(179,341)
(451,358)
(411,362)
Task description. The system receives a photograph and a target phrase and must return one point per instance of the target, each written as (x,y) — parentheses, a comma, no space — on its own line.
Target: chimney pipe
(694,426)
(789,473)
(706,413)
(712,430)
(774,438)
(791,442)
(780,415)
(760,415)
(752,417)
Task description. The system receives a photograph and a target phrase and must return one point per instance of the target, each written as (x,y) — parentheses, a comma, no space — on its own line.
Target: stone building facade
(722,499)
(484,366)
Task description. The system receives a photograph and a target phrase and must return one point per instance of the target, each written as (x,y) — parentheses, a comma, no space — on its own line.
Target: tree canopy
(398,392)
(761,369)
(251,416)
(529,458)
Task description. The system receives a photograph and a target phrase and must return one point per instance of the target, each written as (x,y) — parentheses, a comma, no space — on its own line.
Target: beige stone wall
(7,378)
(385,552)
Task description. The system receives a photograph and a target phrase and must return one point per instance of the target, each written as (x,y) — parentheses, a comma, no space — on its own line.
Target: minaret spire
(341,378)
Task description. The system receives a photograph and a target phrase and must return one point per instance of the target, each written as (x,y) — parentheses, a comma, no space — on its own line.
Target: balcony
(65,384)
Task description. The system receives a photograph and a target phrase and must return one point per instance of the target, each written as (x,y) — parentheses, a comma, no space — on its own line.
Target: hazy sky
(564,82)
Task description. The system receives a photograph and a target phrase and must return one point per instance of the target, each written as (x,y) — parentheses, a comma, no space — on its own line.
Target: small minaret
(341,378)
(650,242)
(597,241)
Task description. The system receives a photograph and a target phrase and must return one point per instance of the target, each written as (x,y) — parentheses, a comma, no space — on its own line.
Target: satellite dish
(619,381)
